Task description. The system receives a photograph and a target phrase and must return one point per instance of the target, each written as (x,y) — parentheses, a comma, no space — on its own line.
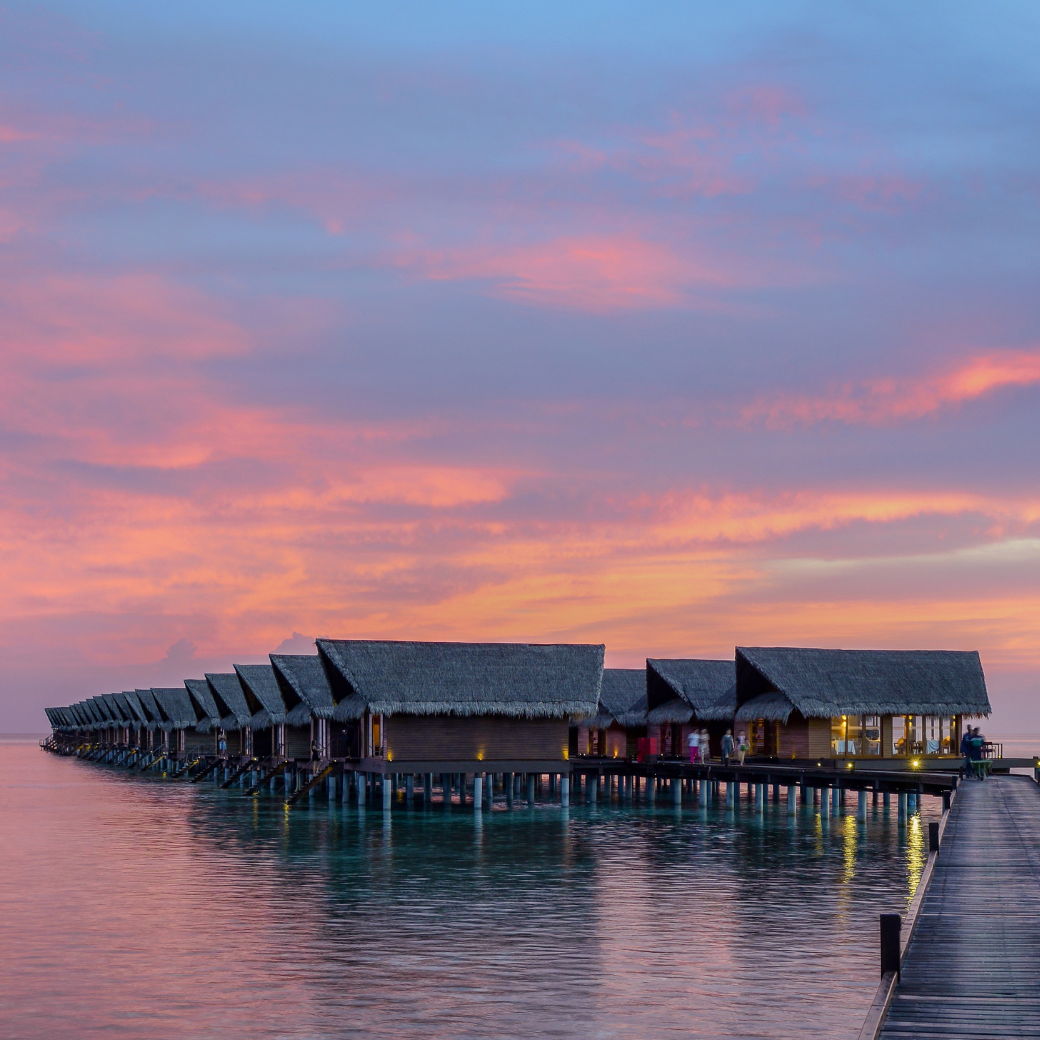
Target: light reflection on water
(130,907)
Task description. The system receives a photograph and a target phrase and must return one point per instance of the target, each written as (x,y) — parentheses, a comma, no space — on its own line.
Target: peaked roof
(131,698)
(516,679)
(207,713)
(825,683)
(151,709)
(683,689)
(622,699)
(176,706)
(305,687)
(229,695)
(260,681)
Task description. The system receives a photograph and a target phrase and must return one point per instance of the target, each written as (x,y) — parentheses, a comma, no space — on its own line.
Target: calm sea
(134,908)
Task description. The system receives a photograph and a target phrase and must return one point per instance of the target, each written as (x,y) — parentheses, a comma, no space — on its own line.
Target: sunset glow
(670,336)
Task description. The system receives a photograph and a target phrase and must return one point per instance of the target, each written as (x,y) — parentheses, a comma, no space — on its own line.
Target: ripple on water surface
(131,907)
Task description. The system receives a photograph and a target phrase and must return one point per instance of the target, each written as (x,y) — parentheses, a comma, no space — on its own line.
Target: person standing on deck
(693,742)
(977,740)
(966,751)
(705,746)
(741,748)
(727,747)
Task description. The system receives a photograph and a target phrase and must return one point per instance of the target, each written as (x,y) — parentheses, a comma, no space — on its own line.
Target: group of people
(971,748)
(700,747)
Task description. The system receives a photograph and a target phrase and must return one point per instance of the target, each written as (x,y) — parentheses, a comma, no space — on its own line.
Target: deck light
(916,764)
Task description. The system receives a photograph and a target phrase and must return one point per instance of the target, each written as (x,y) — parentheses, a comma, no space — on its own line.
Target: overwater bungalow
(462,707)
(267,717)
(805,703)
(230,699)
(207,715)
(310,709)
(684,694)
(620,720)
(111,716)
(140,722)
(178,717)
(153,733)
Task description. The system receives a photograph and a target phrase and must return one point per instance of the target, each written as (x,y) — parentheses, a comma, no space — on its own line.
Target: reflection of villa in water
(422,708)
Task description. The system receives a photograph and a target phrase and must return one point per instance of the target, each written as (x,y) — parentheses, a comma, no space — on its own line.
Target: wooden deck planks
(973,967)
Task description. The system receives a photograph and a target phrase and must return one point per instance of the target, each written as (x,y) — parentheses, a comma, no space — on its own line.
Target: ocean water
(136,908)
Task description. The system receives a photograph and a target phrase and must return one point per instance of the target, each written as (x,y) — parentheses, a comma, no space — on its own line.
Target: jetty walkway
(972,966)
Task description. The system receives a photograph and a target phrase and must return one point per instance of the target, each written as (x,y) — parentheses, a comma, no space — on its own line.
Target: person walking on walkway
(705,746)
(727,747)
(693,742)
(741,747)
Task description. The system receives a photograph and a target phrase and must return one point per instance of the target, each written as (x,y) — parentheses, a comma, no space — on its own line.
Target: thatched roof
(520,680)
(707,687)
(260,681)
(134,703)
(151,709)
(123,716)
(207,714)
(673,710)
(772,706)
(622,699)
(99,717)
(106,702)
(176,706)
(828,683)
(227,691)
(305,687)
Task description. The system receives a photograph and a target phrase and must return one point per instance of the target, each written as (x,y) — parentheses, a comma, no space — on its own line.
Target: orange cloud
(885,401)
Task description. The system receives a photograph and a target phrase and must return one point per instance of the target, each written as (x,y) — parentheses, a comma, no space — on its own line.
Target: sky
(669,326)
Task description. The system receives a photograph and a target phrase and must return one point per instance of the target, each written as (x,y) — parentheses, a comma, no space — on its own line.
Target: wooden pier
(972,966)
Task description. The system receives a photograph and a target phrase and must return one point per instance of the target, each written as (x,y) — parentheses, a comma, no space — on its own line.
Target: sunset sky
(668,326)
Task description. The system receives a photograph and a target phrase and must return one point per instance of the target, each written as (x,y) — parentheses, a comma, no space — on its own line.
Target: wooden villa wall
(199,743)
(804,738)
(298,741)
(447,737)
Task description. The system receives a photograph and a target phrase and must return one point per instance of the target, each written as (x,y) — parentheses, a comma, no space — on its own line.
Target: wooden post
(565,790)
(902,805)
(530,790)
(946,801)
(509,789)
(478,791)
(427,790)
(731,794)
(676,791)
(703,793)
(862,807)
(591,788)
(933,836)
(891,925)
(792,800)
(825,802)
(409,790)
(886,799)
(384,783)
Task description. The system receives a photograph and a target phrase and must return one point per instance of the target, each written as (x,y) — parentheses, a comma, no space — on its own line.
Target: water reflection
(915,854)
(173,909)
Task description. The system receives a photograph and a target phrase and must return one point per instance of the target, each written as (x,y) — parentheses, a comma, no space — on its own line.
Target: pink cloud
(882,402)
(594,272)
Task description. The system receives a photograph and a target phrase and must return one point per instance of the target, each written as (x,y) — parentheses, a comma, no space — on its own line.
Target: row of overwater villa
(385,720)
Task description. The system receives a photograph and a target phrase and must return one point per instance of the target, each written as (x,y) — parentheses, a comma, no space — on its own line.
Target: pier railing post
(891,924)
(933,836)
